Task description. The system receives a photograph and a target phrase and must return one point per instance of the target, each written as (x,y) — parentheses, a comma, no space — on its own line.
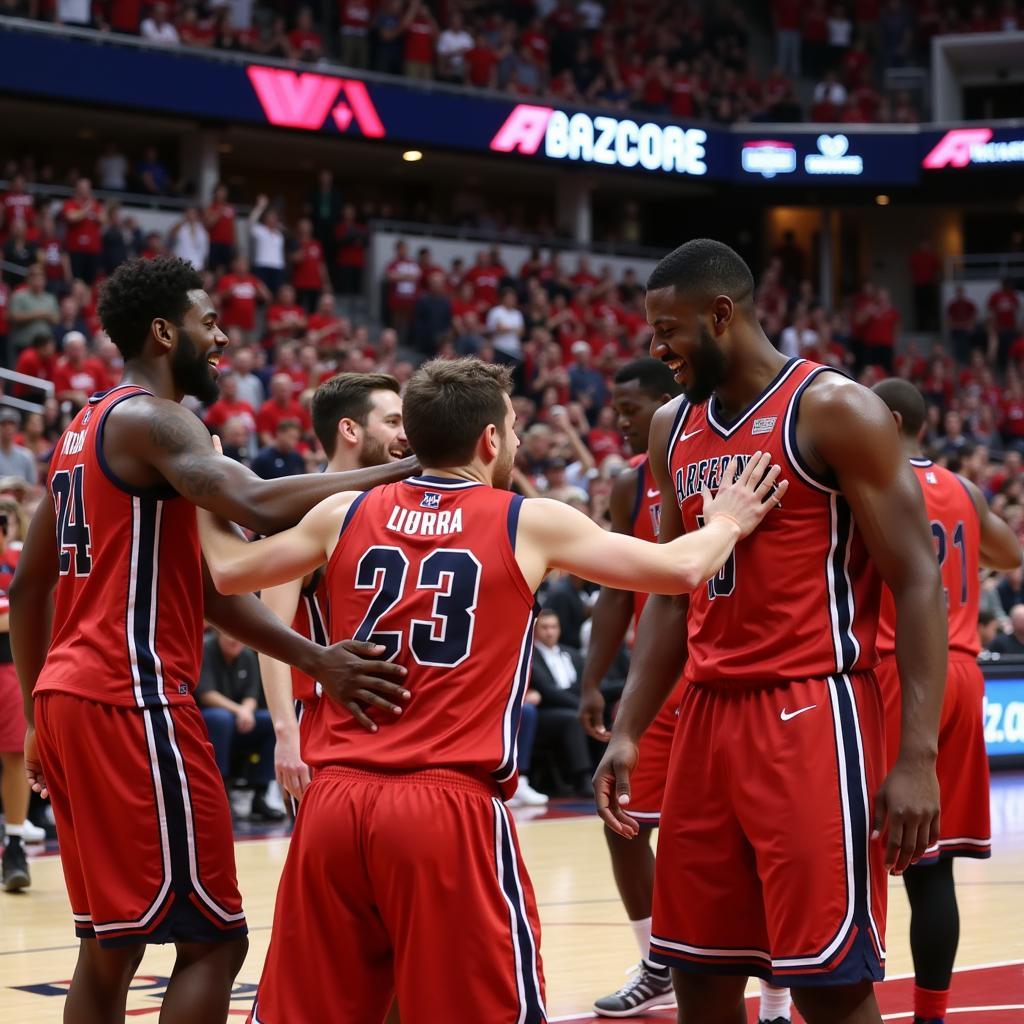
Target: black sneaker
(262,811)
(775,1020)
(15,866)
(649,988)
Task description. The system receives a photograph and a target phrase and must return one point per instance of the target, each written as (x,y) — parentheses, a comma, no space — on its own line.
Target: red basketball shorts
(12,712)
(408,883)
(765,865)
(647,783)
(965,828)
(142,821)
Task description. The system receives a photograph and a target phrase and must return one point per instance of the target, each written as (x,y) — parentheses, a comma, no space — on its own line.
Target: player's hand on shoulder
(746,499)
(353,675)
(611,786)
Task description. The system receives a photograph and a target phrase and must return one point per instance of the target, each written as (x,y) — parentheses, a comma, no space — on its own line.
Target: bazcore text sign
(604,140)
(962,146)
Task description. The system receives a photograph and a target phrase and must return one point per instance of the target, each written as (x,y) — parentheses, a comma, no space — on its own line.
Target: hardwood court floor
(587,944)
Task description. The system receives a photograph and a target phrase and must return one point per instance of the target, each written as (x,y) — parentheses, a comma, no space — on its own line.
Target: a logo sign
(768,157)
(304,100)
(602,140)
(963,146)
(431,500)
(764,425)
(832,157)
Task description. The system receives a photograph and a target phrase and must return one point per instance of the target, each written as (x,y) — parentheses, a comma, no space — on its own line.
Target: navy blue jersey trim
(165,491)
(638,499)
(792,449)
(725,428)
(356,502)
(514,508)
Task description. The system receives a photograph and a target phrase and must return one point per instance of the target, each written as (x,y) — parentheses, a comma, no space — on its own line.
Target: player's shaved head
(901,396)
(702,269)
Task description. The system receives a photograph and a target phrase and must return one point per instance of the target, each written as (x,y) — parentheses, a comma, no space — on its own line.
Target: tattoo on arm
(196,471)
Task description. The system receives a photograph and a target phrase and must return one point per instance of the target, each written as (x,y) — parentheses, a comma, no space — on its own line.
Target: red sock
(930,1004)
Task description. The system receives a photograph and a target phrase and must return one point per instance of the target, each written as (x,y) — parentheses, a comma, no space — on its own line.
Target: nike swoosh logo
(692,433)
(654,494)
(787,715)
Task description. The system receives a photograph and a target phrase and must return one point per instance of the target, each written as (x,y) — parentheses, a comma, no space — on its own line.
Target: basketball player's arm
(291,771)
(557,536)
(659,654)
(243,567)
(611,616)
(851,432)
(31,621)
(340,668)
(171,440)
(1000,548)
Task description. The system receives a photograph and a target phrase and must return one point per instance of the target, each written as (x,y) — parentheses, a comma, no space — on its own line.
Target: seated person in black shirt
(1011,644)
(228,694)
(282,458)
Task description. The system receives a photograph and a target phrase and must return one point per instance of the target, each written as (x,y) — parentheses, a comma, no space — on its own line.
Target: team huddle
(783,722)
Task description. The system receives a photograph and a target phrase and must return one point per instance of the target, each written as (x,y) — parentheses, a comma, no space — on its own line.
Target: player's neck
(154,377)
(753,368)
(471,472)
(912,450)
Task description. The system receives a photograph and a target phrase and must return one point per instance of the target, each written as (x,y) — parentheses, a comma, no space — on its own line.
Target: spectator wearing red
(1004,316)
(77,375)
(17,204)
(83,216)
(654,94)
(1012,426)
(403,283)
(925,270)
(354,18)
(482,63)
(281,405)
(420,35)
(787,35)
(326,328)
(195,31)
(219,218)
(584,276)
(351,239)
(124,15)
(486,276)
(309,271)
(304,40)
(239,292)
(881,332)
(604,438)
(814,38)
(229,405)
(37,360)
(962,323)
(535,39)
(286,319)
(682,101)
(50,250)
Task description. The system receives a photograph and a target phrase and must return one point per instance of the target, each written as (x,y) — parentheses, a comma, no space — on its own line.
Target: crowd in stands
(566,325)
(684,59)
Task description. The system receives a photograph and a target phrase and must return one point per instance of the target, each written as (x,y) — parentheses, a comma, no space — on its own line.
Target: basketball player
(766,862)
(358,421)
(404,864)
(967,535)
(640,389)
(115,737)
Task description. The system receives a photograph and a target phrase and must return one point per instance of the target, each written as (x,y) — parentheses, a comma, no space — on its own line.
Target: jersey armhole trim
(357,501)
(638,499)
(677,425)
(164,493)
(514,507)
(792,450)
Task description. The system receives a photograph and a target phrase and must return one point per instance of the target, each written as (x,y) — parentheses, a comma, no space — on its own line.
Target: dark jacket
(541,680)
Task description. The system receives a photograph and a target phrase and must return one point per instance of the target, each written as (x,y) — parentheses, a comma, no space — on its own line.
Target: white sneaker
(32,833)
(526,796)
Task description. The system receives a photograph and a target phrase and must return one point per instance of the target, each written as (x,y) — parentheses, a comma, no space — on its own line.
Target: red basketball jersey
(957,533)
(427,568)
(646,517)
(799,598)
(128,615)
(311,621)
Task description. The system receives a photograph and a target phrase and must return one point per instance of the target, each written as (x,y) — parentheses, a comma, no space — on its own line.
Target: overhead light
(412,156)
(882,200)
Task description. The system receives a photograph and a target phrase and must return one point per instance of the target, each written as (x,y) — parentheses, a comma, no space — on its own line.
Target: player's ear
(348,430)
(164,332)
(722,310)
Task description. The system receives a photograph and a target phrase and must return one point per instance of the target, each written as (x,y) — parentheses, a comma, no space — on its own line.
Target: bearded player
(107,612)
(442,571)
(357,418)
(967,535)
(769,862)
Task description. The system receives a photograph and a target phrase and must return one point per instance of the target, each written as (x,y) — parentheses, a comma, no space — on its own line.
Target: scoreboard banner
(229,88)
(1004,710)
